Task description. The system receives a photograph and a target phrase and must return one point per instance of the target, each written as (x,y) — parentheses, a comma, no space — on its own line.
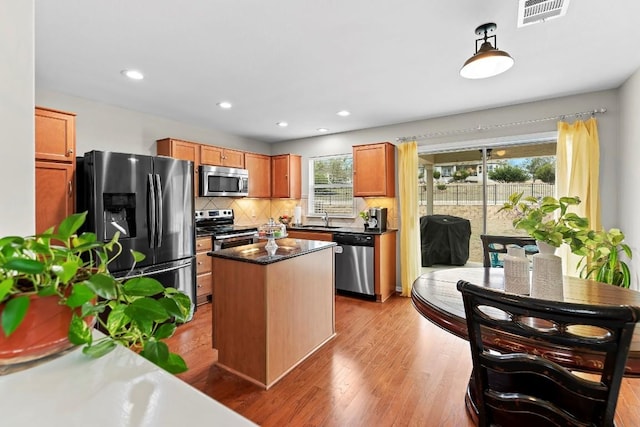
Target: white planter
(546,282)
(516,271)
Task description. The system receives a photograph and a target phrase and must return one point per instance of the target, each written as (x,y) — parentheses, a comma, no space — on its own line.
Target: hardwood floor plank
(387,366)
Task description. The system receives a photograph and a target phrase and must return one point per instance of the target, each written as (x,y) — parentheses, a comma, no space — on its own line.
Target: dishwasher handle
(353,239)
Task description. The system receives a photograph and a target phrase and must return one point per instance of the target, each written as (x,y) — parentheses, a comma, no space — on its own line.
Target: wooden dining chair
(522,388)
(493,246)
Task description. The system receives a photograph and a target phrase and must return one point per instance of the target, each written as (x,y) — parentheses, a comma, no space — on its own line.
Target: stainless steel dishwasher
(354,263)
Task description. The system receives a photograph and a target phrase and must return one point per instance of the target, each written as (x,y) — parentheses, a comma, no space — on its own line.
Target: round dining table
(436,297)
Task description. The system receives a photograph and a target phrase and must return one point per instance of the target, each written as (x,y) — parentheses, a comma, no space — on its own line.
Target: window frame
(313,186)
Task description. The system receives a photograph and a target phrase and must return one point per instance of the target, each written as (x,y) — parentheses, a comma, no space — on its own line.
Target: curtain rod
(481,128)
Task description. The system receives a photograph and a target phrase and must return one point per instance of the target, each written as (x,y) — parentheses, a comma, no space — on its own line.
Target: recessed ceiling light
(323,130)
(343,113)
(283,124)
(133,74)
(224,105)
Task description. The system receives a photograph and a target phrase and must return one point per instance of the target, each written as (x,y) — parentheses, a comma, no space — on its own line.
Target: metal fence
(471,194)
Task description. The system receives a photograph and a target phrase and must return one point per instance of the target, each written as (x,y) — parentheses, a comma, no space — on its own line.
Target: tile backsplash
(250,211)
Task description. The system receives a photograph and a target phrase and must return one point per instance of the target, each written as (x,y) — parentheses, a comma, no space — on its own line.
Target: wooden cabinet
(374,170)
(183,150)
(218,156)
(286,176)
(204,276)
(259,167)
(54,193)
(55,135)
(55,146)
(384,261)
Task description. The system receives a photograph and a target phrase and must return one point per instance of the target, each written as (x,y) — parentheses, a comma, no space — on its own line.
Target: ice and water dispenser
(119,214)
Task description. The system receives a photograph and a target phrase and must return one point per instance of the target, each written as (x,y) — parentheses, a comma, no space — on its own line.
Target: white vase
(516,271)
(546,282)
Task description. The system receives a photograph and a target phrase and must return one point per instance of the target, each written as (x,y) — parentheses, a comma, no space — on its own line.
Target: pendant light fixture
(488,61)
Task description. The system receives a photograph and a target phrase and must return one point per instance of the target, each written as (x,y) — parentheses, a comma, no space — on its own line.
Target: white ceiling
(301,61)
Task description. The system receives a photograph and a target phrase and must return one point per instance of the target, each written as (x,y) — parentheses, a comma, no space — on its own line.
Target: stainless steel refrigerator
(149,200)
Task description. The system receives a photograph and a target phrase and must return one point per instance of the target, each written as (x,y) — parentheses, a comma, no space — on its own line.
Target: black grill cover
(444,239)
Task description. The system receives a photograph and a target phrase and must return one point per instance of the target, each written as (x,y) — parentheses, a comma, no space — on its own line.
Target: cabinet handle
(200,263)
(69,152)
(199,285)
(70,189)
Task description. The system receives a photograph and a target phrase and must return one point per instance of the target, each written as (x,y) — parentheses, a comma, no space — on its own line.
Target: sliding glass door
(474,183)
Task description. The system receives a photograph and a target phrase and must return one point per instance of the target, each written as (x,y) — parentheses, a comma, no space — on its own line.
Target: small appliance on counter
(377,219)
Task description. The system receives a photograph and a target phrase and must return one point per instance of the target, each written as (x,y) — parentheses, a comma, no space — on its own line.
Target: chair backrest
(494,245)
(526,389)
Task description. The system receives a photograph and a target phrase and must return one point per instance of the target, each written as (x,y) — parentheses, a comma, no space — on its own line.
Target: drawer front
(203,244)
(203,284)
(203,263)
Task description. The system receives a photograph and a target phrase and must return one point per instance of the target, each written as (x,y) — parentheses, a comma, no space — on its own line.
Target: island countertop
(257,254)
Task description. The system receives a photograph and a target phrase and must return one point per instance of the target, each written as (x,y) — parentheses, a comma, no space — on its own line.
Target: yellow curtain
(577,174)
(409,230)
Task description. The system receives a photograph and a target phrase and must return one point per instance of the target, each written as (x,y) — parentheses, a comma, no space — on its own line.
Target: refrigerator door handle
(159,207)
(151,211)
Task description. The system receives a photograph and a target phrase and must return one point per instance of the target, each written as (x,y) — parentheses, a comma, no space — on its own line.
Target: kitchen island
(272,311)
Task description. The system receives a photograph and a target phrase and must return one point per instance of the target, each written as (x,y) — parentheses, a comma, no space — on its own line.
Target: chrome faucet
(325,218)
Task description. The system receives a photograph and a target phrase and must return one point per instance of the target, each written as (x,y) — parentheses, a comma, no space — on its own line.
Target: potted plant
(536,217)
(600,250)
(71,270)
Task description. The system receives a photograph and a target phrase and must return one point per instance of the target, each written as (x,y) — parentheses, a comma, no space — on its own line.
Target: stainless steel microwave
(220,181)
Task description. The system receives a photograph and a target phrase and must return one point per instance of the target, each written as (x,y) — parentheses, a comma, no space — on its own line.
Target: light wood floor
(388,366)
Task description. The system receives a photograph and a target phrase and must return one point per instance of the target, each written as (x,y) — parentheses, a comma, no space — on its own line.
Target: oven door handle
(232,236)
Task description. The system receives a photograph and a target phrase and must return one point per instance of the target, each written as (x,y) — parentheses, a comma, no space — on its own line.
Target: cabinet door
(374,170)
(259,167)
(182,150)
(285,176)
(233,158)
(55,135)
(54,193)
(210,155)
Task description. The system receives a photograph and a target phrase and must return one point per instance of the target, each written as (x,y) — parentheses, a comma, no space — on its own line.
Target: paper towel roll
(297,215)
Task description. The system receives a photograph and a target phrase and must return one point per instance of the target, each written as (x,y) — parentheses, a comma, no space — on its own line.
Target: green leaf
(174,364)
(185,307)
(71,224)
(117,319)
(68,271)
(24,265)
(155,351)
(5,287)
(147,309)
(80,294)
(165,331)
(79,332)
(137,256)
(13,314)
(143,286)
(100,348)
(103,285)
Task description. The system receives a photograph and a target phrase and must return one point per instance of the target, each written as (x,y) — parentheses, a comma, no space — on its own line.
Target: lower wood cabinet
(55,184)
(204,275)
(310,235)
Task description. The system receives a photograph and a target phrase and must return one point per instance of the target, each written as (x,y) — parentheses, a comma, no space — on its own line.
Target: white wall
(608,128)
(17,209)
(628,173)
(109,128)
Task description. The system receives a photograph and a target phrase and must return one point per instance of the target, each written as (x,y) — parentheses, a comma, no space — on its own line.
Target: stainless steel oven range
(219,224)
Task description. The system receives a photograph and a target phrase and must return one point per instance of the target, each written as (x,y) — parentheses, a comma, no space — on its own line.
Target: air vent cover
(535,11)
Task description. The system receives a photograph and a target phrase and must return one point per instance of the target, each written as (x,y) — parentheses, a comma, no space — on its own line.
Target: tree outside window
(331,186)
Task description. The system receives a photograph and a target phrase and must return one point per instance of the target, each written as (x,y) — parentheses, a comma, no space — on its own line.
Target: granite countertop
(257,254)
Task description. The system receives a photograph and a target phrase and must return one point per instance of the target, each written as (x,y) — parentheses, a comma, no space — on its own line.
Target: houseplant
(600,249)
(72,269)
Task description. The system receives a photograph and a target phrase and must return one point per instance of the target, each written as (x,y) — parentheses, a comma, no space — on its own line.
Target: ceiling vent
(535,11)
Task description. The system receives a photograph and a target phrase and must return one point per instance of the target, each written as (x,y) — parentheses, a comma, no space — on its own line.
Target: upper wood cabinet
(259,167)
(218,156)
(55,135)
(374,170)
(286,176)
(183,150)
